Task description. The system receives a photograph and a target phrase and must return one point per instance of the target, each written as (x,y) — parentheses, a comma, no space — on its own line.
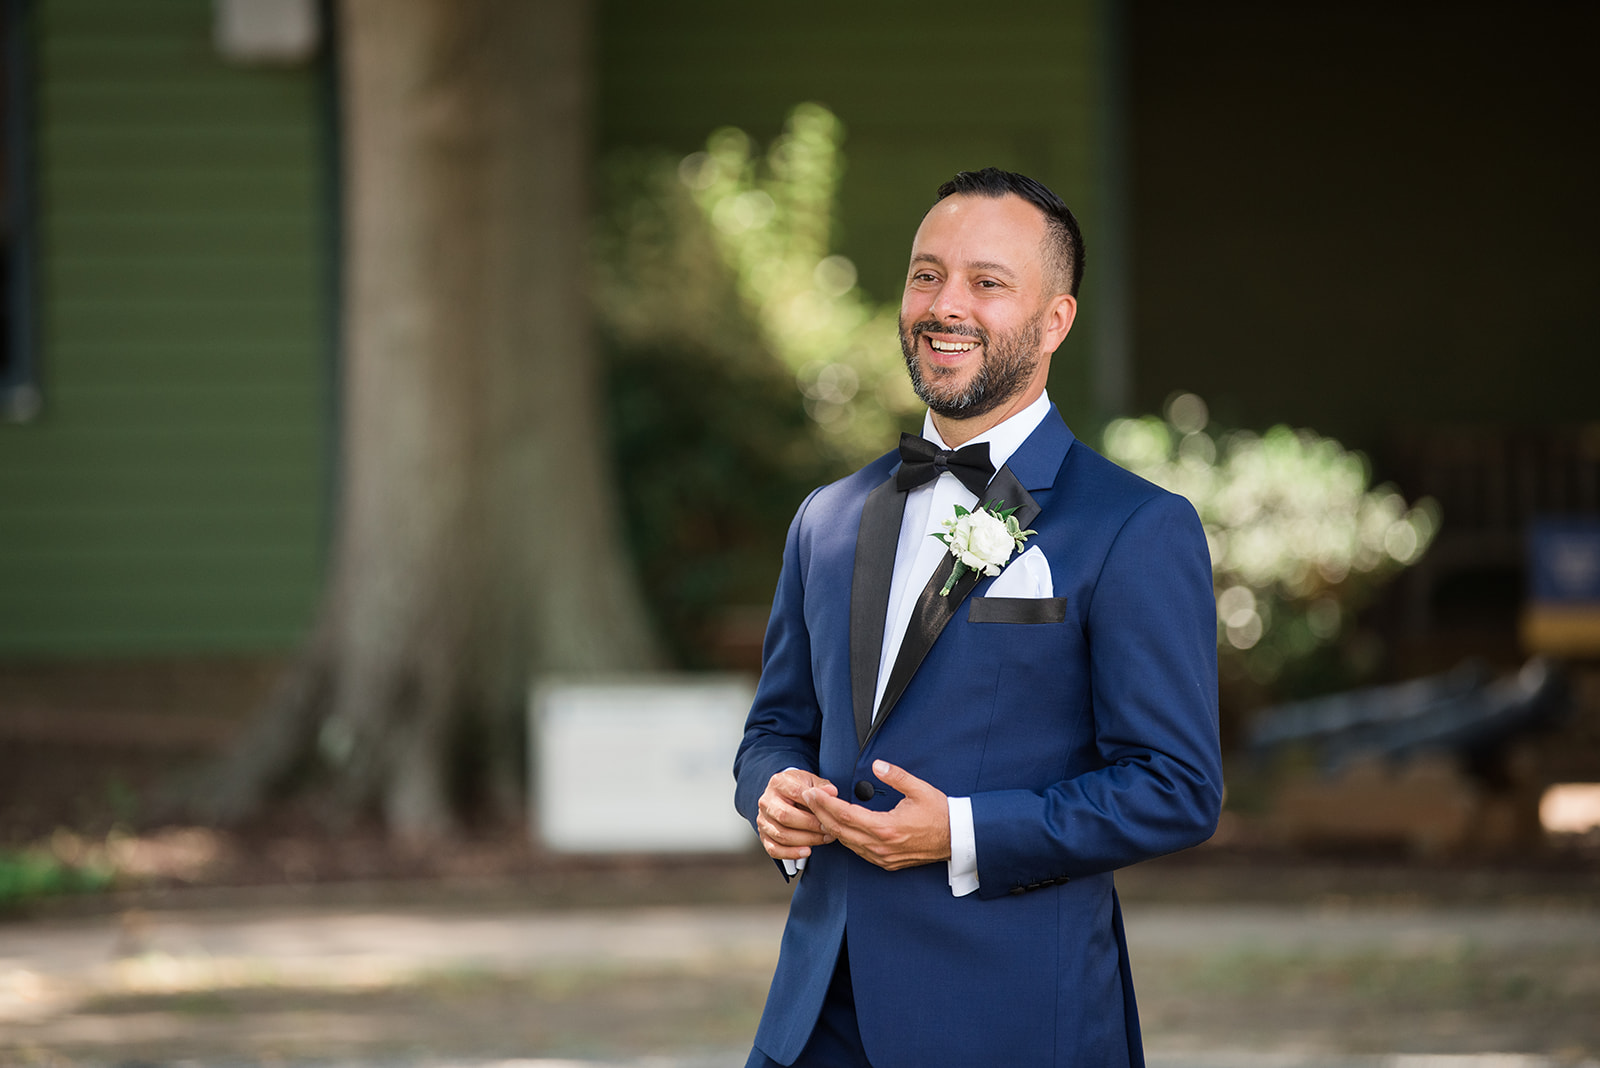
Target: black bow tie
(923,461)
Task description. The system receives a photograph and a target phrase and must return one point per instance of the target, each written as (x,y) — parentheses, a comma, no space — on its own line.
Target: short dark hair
(1063,242)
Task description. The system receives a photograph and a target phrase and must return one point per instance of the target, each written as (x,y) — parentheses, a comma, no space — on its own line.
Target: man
(955,775)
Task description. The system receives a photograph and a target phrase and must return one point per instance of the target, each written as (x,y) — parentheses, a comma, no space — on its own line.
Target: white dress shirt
(916,557)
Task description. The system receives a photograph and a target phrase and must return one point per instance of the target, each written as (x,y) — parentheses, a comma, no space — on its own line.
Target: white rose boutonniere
(981,541)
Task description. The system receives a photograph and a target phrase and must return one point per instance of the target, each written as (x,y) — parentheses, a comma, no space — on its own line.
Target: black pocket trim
(1017,610)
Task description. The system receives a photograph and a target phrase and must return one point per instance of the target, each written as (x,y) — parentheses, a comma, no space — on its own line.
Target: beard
(1009,362)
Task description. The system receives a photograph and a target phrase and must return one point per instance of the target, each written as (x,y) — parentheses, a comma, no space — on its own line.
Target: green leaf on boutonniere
(981,540)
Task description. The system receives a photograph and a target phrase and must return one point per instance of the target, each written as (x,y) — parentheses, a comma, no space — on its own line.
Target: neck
(957,432)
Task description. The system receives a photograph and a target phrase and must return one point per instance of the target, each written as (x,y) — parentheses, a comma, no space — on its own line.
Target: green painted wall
(923,91)
(170,497)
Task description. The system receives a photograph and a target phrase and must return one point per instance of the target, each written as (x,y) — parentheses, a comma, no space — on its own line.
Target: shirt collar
(1005,437)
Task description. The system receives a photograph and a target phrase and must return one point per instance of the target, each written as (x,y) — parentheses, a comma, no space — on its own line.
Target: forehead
(961,230)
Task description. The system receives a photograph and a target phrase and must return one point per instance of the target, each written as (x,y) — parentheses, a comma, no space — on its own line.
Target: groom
(953,776)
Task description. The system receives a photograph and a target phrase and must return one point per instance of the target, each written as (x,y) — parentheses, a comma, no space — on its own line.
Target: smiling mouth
(952,348)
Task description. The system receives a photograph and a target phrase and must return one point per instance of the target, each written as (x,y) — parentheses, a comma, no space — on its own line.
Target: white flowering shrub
(1298,539)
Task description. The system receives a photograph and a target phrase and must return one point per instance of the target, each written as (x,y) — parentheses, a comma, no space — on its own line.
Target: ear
(1059,313)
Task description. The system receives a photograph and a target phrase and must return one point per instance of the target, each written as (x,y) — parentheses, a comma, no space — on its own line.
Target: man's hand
(787,827)
(916,831)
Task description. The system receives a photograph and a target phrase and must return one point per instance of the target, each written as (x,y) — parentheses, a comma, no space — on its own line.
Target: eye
(924,276)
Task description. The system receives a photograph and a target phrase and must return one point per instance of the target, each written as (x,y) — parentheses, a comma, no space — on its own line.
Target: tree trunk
(476,543)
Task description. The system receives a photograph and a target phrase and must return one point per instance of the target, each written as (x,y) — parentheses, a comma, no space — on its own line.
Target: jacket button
(864,791)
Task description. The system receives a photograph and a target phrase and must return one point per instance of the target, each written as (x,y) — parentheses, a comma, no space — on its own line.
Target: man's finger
(779,810)
(835,813)
(793,782)
(781,800)
(779,851)
(790,825)
(898,778)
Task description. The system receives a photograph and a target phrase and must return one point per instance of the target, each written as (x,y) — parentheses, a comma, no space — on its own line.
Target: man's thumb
(890,775)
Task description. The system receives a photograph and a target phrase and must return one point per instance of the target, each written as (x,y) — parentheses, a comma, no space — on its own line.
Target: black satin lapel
(876,540)
(928,618)
(932,612)
(1006,492)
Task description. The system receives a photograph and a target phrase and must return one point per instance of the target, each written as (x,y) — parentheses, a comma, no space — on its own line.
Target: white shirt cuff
(791,868)
(963,847)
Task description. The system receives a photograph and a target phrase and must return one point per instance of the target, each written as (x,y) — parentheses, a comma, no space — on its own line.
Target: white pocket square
(1026,576)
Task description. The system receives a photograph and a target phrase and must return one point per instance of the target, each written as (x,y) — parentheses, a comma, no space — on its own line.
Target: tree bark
(476,545)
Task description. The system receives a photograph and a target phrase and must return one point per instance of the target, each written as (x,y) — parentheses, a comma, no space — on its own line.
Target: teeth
(949,346)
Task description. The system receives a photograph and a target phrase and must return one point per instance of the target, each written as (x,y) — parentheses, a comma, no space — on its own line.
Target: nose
(947,305)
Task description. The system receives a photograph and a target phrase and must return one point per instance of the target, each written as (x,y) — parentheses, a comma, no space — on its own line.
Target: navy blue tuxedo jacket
(1083,728)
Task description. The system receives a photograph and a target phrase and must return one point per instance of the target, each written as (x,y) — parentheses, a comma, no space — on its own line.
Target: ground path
(1328,985)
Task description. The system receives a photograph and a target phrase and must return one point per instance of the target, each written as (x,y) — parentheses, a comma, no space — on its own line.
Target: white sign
(638,766)
(266,31)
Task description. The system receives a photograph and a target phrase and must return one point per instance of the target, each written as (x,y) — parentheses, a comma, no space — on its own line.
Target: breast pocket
(1017,610)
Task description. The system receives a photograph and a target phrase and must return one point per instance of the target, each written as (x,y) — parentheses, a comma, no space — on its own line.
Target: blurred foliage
(50,871)
(1299,542)
(745,366)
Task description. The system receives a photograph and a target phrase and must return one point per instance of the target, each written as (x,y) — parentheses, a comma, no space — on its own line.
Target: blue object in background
(1564,560)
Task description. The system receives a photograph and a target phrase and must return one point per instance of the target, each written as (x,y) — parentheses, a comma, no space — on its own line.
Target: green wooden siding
(171,496)
(923,91)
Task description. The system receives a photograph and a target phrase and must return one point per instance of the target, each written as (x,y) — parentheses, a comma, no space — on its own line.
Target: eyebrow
(992,268)
(979,265)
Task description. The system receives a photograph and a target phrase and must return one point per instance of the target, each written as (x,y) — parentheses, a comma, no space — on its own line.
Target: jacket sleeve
(1152,648)
(785,722)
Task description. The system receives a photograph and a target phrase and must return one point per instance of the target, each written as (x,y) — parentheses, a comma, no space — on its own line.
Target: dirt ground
(294,944)
(1240,962)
